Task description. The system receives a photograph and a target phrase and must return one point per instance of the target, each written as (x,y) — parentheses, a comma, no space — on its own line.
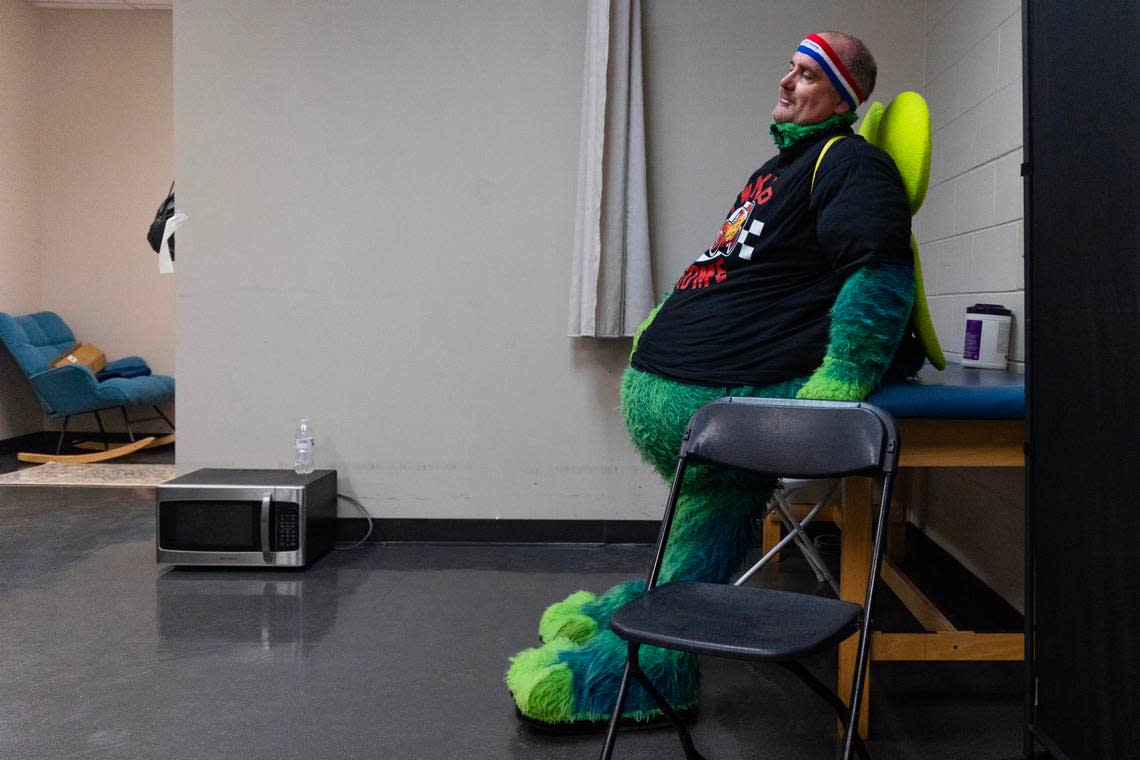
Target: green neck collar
(787,134)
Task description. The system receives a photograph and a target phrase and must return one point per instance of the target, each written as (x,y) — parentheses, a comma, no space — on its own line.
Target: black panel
(1088,574)
(1083,334)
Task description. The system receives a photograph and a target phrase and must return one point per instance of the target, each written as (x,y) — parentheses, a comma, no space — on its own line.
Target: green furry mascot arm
(868,320)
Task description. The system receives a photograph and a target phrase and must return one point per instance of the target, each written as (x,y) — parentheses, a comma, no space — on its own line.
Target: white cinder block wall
(970,234)
(970,229)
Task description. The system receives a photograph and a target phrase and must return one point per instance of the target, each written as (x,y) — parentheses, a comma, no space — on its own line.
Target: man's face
(806,94)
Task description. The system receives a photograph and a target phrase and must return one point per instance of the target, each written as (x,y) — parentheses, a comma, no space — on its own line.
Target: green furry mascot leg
(575,675)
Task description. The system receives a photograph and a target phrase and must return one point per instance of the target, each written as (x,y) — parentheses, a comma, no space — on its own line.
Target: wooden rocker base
(98,456)
(165,440)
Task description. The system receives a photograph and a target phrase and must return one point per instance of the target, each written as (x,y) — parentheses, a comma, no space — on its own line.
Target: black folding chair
(799,439)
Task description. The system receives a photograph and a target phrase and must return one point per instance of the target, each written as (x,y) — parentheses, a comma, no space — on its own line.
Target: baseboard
(500,531)
(46,440)
(28,442)
(94,435)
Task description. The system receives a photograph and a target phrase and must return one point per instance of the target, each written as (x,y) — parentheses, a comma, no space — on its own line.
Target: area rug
(101,474)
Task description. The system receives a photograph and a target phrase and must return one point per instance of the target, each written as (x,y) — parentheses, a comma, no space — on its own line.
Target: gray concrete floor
(389,651)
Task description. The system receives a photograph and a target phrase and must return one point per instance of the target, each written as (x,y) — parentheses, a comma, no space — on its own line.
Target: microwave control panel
(288,527)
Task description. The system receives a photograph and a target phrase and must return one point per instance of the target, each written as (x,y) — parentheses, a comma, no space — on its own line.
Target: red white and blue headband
(816,48)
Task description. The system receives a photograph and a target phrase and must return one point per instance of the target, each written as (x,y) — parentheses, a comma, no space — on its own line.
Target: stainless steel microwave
(258,518)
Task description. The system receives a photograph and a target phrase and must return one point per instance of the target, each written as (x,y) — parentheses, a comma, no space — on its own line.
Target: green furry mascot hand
(867,323)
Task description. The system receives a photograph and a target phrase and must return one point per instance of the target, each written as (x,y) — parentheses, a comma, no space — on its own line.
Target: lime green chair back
(902,129)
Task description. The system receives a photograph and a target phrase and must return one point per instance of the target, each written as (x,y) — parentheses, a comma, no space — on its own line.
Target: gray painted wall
(381,201)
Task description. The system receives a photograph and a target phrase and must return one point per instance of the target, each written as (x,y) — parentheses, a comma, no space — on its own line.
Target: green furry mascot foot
(568,620)
(565,687)
(581,615)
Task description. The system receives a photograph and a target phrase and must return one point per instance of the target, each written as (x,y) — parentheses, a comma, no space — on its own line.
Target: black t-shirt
(754,308)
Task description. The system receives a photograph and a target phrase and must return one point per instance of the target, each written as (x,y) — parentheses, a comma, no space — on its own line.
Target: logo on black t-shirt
(738,236)
(728,238)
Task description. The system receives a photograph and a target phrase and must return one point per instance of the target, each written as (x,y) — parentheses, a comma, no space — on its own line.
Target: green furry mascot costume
(834,332)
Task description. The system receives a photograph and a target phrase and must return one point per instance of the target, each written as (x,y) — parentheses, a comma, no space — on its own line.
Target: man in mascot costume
(805,292)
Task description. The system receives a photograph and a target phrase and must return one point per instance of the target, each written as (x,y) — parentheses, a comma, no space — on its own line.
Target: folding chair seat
(800,439)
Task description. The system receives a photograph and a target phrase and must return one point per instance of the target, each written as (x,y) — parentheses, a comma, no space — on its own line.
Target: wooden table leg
(896,528)
(854,571)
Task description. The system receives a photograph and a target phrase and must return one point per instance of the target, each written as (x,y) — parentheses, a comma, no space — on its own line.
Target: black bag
(158,226)
(909,356)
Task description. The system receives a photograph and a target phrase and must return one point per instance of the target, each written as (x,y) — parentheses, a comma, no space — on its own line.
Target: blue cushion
(136,391)
(36,340)
(956,392)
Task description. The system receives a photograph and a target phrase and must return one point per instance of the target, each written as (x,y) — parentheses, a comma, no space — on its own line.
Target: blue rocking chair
(37,340)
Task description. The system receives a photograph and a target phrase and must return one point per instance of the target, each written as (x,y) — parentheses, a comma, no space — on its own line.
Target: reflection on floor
(390,651)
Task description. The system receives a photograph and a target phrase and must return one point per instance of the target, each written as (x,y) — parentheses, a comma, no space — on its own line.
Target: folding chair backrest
(793,438)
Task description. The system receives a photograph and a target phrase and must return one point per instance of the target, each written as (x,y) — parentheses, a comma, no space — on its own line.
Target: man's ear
(843,107)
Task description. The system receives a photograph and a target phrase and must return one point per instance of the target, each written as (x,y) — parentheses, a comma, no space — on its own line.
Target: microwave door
(222,525)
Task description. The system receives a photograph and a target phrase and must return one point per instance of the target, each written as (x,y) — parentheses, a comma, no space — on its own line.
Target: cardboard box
(88,355)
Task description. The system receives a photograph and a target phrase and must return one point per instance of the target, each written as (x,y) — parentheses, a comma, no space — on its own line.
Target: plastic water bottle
(303,449)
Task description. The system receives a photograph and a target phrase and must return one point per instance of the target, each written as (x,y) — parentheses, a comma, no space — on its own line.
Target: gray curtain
(611,288)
